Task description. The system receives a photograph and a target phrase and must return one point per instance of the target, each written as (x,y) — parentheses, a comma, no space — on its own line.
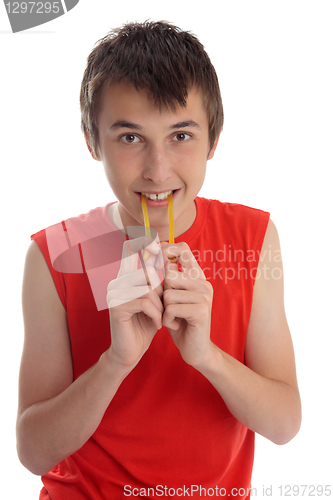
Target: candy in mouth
(171,219)
(157,197)
(170,216)
(145,214)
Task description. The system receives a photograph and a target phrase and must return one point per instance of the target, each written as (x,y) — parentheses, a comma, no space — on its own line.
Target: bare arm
(56,416)
(264,394)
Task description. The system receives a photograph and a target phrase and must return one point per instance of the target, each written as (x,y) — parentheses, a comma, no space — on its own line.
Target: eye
(129,138)
(181,137)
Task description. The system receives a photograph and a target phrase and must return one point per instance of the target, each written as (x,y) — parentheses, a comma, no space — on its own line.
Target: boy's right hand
(135,305)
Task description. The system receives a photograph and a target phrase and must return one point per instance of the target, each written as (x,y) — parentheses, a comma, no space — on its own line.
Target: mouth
(157,196)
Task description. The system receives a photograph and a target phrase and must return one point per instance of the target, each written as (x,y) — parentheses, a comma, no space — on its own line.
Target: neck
(131,228)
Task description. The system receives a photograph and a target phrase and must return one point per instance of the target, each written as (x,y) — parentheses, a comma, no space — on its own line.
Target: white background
(274,62)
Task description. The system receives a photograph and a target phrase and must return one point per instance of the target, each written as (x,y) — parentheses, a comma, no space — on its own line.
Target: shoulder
(230,210)
(95,217)
(238,211)
(239,221)
(38,288)
(58,238)
(54,250)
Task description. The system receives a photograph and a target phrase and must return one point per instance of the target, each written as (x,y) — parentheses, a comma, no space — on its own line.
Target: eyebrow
(184,124)
(125,124)
(135,126)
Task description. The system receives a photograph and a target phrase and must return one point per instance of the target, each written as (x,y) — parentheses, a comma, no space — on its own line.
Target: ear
(212,151)
(87,138)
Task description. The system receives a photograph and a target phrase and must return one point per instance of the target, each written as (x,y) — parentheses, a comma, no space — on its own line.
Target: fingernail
(172,259)
(145,254)
(154,246)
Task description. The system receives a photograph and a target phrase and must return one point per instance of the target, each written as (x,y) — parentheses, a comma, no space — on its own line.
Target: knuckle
(113,304)
(170,275)
(183,246)
(184,250)
(110,286)
(168,310)
(110,295)
(146,304)
(153,277)
(167,294)
(169,281)
(202,310)
(207,289)
(151,271)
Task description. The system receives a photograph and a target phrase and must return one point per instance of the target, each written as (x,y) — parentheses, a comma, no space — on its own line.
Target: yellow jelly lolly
(145,215)
(171,221)
(171,224)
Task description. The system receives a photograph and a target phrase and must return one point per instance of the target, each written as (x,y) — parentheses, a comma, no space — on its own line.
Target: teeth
(157,197)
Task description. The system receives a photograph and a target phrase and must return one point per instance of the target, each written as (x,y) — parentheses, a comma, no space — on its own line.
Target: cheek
(121,160)
(193,172)
(115,176)
(120,175)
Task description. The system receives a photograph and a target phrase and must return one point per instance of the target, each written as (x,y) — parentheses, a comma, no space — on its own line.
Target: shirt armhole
(58,278)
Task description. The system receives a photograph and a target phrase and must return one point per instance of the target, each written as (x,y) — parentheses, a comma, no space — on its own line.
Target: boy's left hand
(187,301)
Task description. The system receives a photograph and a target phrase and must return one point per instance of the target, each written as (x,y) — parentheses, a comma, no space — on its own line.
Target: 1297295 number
(305,489)
(33,7)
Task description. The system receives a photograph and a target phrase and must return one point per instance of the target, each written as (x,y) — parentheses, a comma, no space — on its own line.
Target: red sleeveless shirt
(167,432)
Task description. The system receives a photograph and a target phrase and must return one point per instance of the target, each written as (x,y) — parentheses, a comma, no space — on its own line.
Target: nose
(157,166)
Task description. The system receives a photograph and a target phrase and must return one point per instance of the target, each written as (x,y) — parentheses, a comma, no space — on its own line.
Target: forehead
(123,101)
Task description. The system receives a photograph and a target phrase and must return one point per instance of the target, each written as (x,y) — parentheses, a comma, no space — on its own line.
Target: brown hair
(157,57)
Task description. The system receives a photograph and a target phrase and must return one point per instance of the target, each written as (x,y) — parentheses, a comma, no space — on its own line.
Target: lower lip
(158,204)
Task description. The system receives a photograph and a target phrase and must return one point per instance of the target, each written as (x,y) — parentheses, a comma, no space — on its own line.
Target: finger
(141,305)
(172,316)
(193,314)
(171,275)
(135,279)
(130,254)
(183,254)
(172,296)
(158,263)
(189,262)
(189,279)
(129,261)
(169,255)
(137,244)
(172,325)
(123,296)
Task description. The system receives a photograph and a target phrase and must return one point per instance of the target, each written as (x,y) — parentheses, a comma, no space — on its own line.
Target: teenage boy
(158,390)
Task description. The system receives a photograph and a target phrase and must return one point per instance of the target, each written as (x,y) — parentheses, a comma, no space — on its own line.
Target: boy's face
(147,150)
